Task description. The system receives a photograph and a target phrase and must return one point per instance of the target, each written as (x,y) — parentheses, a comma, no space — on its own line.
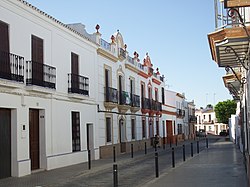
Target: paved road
(135,171)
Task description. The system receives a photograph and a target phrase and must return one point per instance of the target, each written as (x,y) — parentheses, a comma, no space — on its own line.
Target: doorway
(122,133)
(90,140)
(169,130)
(5,143)
(34,138)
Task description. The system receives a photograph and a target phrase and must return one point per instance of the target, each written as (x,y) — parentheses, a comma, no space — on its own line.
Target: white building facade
(64,92)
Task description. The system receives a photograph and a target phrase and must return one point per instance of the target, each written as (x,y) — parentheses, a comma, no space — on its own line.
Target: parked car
(224,133)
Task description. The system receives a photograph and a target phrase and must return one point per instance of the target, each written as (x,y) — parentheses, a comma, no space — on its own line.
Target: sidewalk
(220,165)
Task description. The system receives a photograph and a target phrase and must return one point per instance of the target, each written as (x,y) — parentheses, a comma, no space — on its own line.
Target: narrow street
(135,171)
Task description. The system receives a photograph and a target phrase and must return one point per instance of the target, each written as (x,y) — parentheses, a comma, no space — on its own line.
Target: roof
(55,20)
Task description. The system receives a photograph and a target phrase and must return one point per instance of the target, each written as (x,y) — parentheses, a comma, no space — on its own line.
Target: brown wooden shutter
(74,71)
(4,51)
(37,60)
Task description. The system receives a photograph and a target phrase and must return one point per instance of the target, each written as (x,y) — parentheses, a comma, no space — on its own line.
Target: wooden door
(169,131)
(37,60)
(34,138)
(5,143)
(4,51)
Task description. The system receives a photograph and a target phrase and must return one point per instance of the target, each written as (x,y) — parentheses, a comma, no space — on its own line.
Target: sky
(174,33)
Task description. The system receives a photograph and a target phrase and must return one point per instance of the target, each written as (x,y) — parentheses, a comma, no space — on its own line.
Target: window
(179,129)
(108,129)
(75,131)
(162,96)
(209,118)
(156,95)
(133,129)
(143,128)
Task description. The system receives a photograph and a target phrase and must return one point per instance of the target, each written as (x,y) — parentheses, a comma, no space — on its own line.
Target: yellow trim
(107,55)
(128,66)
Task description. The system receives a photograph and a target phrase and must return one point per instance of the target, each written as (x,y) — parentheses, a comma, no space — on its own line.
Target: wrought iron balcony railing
(111,95)
(40,74)
(78,84)
(225,18)
(124,98)
(145,103)
(11,67)
(135,100)
(192,119)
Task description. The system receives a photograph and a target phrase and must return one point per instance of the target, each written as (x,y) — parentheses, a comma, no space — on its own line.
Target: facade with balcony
(130,102)
(229,46)
(47,84)
(64,92)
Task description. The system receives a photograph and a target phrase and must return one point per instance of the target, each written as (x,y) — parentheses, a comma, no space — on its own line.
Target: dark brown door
(5,143)
(74,71)
(169,131)
(34,138)
(4,51)
(37,60)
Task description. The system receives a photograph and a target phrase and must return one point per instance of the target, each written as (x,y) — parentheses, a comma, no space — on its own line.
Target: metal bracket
(238,58)
(242,81)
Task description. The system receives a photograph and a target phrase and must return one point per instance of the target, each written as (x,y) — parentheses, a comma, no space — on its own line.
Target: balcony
(39,74)
(229,43)
(11,67)
(110,98)
(78,84)
(192,119)
(105,45)
(135,103)
(151,106)
(124,101)
(180,113)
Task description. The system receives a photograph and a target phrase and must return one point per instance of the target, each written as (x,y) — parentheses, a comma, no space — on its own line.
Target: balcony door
(74,71)
(169,130)
(4,51)
(37,60)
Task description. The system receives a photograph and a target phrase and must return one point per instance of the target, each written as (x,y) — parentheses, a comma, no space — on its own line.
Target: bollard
(89,159)
(184,155)
(198,149)
(114,156)
(145,148)
(207,142)
(156,165)
(115,175)
(173,160)
(192,154)
(132,151)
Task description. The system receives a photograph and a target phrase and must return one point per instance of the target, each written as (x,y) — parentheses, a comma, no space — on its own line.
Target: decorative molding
(107,55)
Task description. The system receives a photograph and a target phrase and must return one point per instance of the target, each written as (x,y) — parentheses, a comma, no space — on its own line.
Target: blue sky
(174,33)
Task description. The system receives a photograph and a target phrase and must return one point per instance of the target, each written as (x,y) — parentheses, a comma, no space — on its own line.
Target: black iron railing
(135,100)
(111,95)
(124,98)
(40,74)
(11,66)
(78,84)
(192,119)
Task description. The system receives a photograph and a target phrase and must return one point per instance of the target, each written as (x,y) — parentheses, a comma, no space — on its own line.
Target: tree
(209,106)
(224,109)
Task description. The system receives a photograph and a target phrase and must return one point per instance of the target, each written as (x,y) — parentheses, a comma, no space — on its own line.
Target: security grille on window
(76,131)
(108,129)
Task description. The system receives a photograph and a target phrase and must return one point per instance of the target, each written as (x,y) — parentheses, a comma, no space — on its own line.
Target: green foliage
(223,110)
(209,106)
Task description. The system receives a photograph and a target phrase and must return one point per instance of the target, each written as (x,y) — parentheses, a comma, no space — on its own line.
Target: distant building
(207,121)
